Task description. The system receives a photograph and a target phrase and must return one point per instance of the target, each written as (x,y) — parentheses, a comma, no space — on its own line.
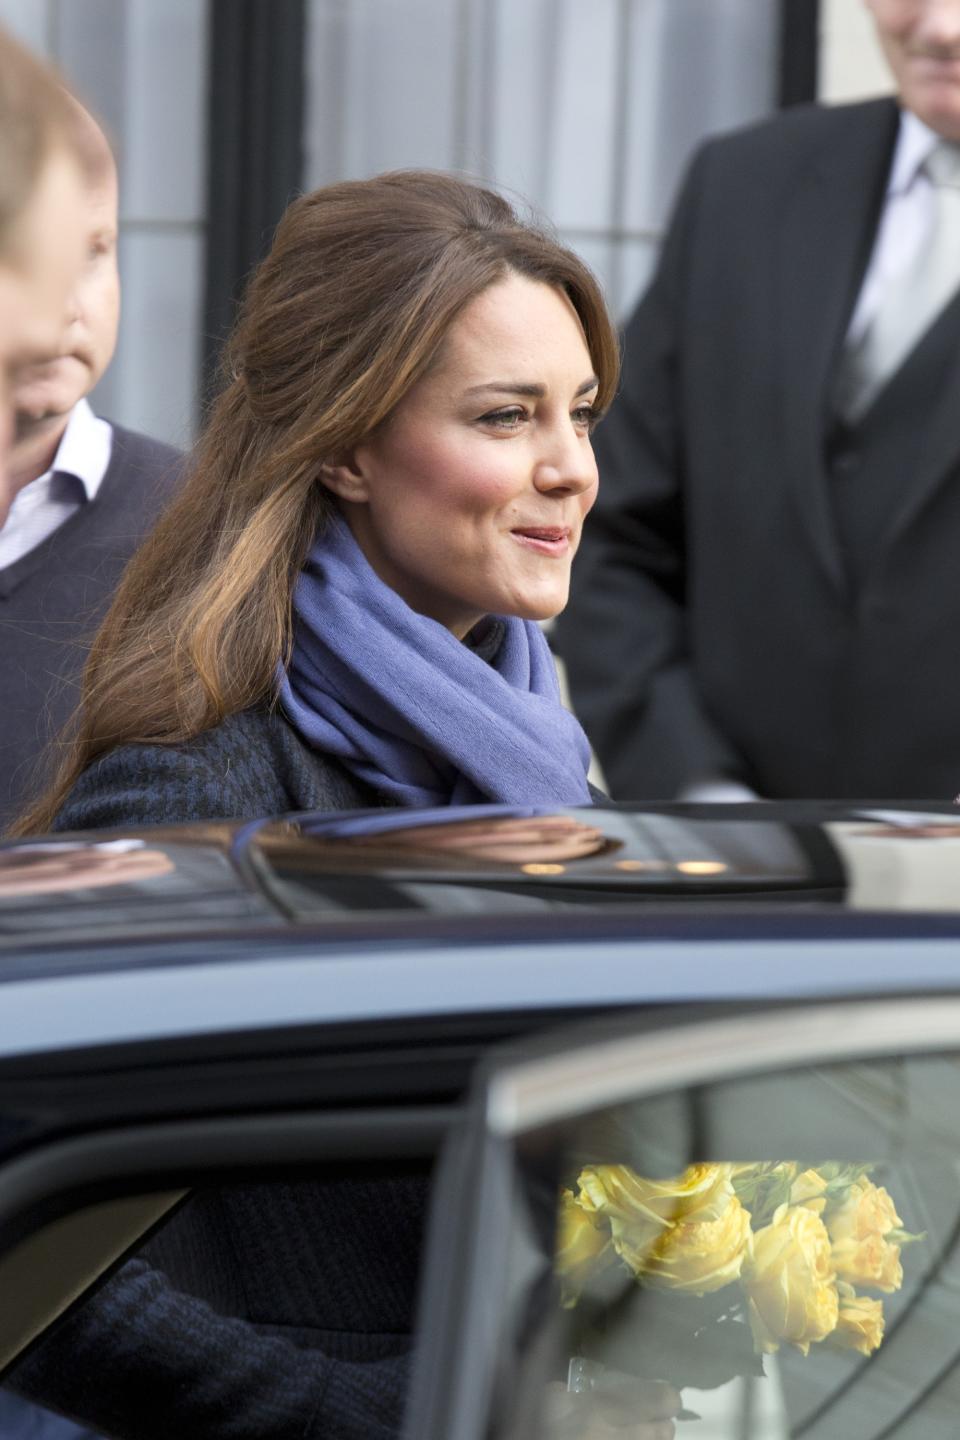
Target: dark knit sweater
(53,599)
(280,1313)
(277,1312)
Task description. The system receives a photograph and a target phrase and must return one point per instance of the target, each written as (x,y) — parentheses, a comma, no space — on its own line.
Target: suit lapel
(940,421)
(827,236)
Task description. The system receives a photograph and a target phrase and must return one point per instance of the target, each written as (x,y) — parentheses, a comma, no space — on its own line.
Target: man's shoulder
(801,130)
(132,447)
(143,476)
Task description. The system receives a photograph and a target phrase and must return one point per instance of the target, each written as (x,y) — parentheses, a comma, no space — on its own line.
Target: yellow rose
(862,1255)
(621,1194)
(866,1210)
(581,1247)
(860,1324)
(789,1281)
(689,1232)
(872,1261)
(809,1189)
(693,1255)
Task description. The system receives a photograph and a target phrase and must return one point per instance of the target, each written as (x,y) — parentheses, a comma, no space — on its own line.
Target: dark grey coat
(253,764)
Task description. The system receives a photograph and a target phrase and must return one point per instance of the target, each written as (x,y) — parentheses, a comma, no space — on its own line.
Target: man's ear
(345,476)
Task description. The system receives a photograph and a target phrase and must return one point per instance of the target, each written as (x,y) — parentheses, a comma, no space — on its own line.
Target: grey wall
(588,108)
(141,66)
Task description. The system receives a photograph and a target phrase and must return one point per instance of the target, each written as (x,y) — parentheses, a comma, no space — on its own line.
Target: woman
(340,610)
(405,433)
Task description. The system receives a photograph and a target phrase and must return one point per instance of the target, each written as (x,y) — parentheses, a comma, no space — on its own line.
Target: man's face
(921,40)
(52,386)
(38,272)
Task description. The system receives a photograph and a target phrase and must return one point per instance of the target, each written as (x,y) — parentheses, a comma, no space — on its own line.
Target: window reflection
(763,1259)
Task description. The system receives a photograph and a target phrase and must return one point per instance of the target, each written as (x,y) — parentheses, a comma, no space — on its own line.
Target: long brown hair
(344,315)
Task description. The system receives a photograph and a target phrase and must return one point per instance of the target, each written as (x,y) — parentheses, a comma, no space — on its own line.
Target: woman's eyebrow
(520,387)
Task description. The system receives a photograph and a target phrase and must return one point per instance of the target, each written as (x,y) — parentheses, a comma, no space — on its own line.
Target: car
(590,1032)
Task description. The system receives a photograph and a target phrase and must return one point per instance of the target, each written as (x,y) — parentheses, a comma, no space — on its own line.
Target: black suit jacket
(717,628)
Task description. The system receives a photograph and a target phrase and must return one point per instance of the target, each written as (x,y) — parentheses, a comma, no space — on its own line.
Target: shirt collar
(914,143)
(84,449)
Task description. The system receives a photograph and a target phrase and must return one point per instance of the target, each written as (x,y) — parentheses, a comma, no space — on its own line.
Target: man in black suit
(767,599)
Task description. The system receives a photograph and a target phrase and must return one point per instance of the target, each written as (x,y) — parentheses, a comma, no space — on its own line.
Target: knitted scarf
(414,712)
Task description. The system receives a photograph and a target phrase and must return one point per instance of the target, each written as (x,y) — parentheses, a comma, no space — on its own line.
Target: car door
(97,1147)
(748,1224)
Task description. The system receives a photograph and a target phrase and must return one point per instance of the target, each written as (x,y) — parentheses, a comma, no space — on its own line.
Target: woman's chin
(540,608)
(547,604)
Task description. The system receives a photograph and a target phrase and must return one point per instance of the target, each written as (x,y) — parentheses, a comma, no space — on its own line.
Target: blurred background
(222,110)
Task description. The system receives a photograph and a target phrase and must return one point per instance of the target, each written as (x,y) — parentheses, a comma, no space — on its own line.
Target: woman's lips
(544,539)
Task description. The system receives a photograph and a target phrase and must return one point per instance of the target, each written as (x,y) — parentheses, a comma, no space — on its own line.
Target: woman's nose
(566,465)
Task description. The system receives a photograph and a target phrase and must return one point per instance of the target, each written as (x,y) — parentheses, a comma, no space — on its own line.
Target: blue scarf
(412,711)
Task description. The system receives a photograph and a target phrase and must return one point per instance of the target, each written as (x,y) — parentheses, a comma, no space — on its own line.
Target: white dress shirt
(905,221)
(74,478)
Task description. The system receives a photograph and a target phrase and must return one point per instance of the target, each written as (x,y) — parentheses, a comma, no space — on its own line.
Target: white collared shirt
(904,223)
(72,481)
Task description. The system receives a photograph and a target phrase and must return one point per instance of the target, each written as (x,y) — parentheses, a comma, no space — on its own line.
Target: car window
(55,1265)
(755,1257)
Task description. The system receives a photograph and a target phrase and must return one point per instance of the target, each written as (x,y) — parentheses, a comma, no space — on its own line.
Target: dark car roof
(396,914)
(336,870)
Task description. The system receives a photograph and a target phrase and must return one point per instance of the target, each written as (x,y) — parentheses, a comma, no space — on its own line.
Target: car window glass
(763,1258)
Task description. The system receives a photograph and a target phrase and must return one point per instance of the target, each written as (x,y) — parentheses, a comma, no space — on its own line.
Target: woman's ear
(344,476)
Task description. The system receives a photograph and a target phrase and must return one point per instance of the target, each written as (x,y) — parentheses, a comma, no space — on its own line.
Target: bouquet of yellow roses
(773,1253)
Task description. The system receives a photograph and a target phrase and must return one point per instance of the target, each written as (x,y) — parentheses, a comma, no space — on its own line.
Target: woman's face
(470,500)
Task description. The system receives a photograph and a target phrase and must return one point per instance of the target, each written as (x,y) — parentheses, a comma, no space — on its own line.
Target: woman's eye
(507,419)
(585,416)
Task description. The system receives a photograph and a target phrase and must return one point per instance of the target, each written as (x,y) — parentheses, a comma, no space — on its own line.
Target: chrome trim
(279,989)
(551,1088)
